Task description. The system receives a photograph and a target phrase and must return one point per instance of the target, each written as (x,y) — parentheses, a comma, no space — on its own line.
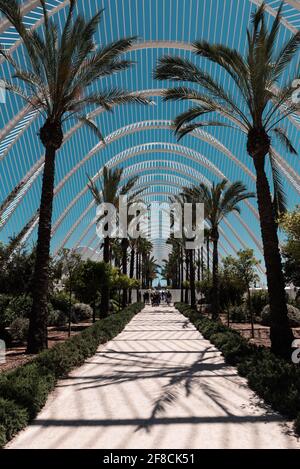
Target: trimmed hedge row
(275,380)
(24,391)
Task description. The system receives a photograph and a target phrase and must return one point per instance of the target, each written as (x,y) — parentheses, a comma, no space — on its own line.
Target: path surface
(158,384)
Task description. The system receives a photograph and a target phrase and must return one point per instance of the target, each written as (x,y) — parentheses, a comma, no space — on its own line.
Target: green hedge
(24,391)
(275,380)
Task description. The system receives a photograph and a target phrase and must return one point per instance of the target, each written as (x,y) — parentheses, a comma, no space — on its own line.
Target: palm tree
(207,240)
(54,77)
(257,109)
(187,197)
(150,268)
(110,190)
(219,201)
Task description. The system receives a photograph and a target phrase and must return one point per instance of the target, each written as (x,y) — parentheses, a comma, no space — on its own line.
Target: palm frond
(91,125)
(284,140)
(286,55)
(94,191)
(279,196)
(129,185)
(190,128)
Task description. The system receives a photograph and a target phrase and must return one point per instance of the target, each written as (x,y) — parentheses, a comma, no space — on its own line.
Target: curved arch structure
(134,135)
(141,150)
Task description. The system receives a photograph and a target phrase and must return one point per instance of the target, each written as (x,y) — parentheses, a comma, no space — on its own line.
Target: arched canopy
(138,138)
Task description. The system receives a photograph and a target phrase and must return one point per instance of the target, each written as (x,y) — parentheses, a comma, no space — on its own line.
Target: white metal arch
(114,136)
(134,170)
(142,149)
(233,247)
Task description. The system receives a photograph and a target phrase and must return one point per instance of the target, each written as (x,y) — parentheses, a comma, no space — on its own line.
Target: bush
(259,299)
(57,318)
(293,315)
(20,306)
(19,330)
(238,313)
(12,419)
(61,302)
(275,380)
(81,312)
(297,424)
(28,386)
(24,391)
(232,345)
(12,308)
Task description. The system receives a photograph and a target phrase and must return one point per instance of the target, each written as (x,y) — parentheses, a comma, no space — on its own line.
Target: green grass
(24,391)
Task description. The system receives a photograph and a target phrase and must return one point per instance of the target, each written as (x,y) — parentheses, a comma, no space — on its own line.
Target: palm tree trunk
(207,257)
(181,275)
(202,263)
(105,294)
(250,311)
(215,277)
(280,333)
(70,310)
(124,244)
(37,335)
(192,278)
(186,293)
(137,274)
(131,271)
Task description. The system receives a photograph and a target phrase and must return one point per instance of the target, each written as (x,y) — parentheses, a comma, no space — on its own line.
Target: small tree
(290,223)
(244,267)
(89,280)
(70,262)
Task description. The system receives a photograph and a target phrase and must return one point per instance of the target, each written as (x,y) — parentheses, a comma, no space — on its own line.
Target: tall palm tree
(207,240)
(143,251)
(257,108)
(150,268)
(219,201)
(54,77)
(109,192)
(187,197)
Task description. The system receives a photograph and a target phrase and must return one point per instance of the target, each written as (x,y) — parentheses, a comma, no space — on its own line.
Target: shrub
(259,299)
(3,438)
(293,315)
(19,329)
(57,318)
(238,313)
(61,302)
(4,302)
(28,386)
(19,307)
(24,391)
(275,380)
(81,312)
(12,419)
(11,308)
(297,424)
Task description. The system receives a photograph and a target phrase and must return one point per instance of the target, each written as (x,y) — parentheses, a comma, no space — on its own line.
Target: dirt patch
(17,356)
(261,333)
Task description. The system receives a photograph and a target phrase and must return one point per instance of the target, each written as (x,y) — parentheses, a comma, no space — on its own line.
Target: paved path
(158,384)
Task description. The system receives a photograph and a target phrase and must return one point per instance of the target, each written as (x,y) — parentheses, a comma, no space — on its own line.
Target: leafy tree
(16,270)
(70,262)
(54,77)
(109,192)
(244,268)
(219,201)
(89,280)
(290,223)
(257,107)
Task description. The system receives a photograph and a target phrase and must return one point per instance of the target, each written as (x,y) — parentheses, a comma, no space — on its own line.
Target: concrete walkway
(158,384)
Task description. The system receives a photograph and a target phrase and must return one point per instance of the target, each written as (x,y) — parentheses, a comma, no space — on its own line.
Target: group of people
(155,297)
